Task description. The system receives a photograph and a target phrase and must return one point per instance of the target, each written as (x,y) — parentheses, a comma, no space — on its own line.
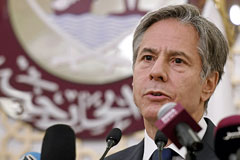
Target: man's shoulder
(131,153)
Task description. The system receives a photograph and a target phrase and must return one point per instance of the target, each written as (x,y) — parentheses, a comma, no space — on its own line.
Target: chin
(150,116)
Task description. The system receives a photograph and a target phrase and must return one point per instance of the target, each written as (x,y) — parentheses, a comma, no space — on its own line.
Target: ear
(209,85)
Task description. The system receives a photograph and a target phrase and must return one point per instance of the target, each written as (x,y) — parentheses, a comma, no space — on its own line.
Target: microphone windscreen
(169,116)
(115,134)
(31,156)
(160,137)
(59,143)
(227,137)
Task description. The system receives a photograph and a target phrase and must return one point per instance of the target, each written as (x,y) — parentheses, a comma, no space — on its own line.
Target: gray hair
(212,47)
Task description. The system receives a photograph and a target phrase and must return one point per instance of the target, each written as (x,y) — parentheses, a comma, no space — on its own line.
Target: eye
(178,60)
(148,57)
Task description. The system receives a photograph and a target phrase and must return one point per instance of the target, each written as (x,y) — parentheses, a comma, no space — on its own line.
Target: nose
(159,71)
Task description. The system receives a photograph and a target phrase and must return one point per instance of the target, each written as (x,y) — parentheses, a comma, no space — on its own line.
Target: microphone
(161,141)
(112,139)
(59,143)
(179,126)
(227,138)
(31,156)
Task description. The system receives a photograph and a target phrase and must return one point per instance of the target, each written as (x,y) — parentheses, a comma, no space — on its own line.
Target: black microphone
(112,139)
(161,141)
(227,138)
(59,143)
(179,126)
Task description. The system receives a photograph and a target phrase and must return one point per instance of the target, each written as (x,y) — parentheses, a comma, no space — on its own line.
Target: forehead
(171,34)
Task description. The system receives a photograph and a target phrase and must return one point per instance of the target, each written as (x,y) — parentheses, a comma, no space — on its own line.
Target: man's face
(167,69)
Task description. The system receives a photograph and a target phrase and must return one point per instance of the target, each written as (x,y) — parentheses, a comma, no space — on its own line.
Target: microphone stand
(105,153)
(160,140)
(110,144)
(160,146)
(190,155)
(160,154)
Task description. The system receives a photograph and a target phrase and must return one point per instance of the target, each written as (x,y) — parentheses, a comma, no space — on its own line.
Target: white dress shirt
(150,146)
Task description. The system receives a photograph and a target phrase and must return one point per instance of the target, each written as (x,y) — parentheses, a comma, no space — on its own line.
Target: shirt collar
(150,146)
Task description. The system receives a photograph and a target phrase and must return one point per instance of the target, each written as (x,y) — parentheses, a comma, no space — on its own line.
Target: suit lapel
(137,152)
(208,152)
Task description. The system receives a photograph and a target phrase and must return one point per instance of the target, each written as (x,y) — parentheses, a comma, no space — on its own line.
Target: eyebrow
(149,50)
(171,52)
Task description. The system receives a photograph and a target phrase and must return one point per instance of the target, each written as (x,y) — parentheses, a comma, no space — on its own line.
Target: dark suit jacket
(136,152)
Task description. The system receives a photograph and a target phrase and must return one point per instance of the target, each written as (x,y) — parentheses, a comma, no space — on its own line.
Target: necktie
(167,154)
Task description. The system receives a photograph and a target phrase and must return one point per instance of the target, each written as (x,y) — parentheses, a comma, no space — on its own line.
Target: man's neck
(150,128)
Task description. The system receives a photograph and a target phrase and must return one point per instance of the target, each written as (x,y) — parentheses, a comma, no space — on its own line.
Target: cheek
(139,83)
(137,97)
(136,88)
(189,89)
(189,95)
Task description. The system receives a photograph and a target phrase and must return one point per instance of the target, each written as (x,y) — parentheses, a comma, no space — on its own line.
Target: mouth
(156,94)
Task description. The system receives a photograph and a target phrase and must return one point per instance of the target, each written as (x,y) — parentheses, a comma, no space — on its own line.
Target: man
(178,56)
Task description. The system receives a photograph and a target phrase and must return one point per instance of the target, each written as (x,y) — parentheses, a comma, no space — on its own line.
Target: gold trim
(229,27)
